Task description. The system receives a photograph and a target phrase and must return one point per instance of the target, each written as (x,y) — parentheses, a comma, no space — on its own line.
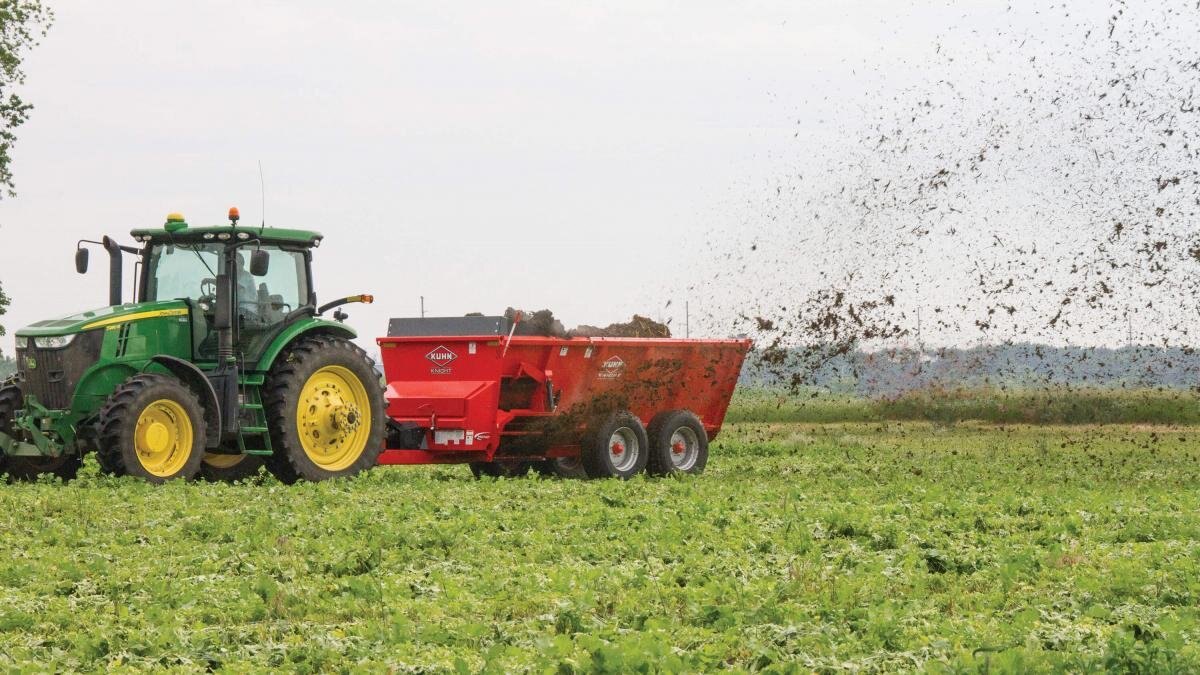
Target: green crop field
(844,546)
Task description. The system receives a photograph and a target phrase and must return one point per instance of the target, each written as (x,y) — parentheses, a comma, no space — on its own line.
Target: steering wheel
(208,294)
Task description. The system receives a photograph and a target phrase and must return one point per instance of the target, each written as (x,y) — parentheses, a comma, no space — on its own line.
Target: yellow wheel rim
(163,438)
(333,418)
(222,461)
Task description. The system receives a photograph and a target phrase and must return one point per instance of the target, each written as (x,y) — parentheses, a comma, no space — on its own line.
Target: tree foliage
(5,371)
(4,300)
(22,23)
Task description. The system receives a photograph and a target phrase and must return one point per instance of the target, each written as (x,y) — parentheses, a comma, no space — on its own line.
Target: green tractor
(222,363)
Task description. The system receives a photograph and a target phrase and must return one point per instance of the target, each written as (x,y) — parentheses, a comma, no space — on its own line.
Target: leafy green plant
(868,546)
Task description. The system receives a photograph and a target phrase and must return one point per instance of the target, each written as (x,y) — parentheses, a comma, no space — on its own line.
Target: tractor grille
(55,372)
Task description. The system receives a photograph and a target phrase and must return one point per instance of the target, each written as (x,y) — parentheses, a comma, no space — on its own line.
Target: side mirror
(260,261)
(81,260)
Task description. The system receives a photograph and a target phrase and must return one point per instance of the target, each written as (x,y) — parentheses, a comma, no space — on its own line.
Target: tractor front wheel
(325,410)
(29,468)
(152,427)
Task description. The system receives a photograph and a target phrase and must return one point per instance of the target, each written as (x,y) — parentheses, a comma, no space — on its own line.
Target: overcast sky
(538,154)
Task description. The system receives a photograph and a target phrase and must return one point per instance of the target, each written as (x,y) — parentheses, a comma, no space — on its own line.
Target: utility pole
(687,320)
(422,307)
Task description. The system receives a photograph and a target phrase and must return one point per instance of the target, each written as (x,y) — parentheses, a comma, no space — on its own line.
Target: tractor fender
(299,329)
(97,384)
(195,378)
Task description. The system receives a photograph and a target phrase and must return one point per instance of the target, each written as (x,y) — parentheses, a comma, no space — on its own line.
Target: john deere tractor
(222,362)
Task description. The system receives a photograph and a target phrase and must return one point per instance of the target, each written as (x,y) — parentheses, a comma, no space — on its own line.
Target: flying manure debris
(1039,186)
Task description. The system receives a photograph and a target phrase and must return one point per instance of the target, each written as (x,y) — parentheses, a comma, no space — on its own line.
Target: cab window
(180,271)
(266,300)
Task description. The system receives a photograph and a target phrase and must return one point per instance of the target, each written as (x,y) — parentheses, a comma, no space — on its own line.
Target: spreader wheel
(325,410)
(500,469)
(152,427)
(561,467)
(616,447)
(678,444)
(229,468)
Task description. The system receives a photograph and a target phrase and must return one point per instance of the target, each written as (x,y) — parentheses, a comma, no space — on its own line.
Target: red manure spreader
(468,390)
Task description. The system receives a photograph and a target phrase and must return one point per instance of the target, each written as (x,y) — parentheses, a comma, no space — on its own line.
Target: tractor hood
(104,317)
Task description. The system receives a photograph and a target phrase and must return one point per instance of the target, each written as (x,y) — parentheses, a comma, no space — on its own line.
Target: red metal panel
(419,400)
(421,457)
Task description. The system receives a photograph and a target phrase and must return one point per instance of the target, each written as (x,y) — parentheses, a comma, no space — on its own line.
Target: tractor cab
(268,274)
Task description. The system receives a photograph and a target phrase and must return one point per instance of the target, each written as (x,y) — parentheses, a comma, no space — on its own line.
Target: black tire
(65,467)
(284,388)
(561,467)
(569,467)
(11,400)
(29,468)
(501,469)
(106,466)
(678,444)
(217,469)
(153,394)
(600,453)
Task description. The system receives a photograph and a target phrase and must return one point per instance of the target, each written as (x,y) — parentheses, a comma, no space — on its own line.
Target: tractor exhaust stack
(114,270)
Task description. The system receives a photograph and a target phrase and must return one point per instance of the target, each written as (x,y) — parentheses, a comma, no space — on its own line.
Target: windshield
(179,270)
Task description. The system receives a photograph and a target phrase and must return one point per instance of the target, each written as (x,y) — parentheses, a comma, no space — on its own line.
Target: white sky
(538,154)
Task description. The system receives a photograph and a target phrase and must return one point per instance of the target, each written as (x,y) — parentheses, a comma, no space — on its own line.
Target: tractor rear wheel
(616,447)
(152,427)
(325,409)
(217,467)
(678,444)
(29,468)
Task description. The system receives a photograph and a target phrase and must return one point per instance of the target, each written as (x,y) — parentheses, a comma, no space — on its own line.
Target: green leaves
(4,302)
(22,22)
(803,548)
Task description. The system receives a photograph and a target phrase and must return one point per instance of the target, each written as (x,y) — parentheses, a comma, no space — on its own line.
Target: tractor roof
(272,235)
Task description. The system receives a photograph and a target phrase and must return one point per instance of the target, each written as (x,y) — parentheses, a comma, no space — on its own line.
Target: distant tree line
(1021,365)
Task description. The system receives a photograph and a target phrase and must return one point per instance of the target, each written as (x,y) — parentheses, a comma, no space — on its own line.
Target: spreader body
(480,397)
